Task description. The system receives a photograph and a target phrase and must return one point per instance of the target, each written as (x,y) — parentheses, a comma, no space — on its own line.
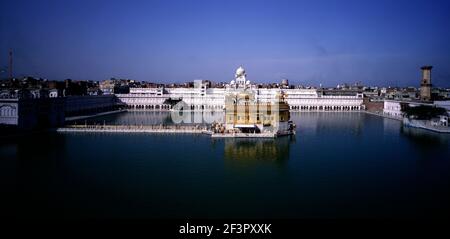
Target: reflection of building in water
(391,126)
(327,122)
(426,139)
(257,150)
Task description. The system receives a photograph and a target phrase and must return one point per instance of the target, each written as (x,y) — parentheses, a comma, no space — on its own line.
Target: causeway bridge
(162,129)
(167,129)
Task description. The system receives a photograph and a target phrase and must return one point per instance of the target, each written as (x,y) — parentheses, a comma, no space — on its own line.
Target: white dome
(240,71)
(247,82)
(232,82)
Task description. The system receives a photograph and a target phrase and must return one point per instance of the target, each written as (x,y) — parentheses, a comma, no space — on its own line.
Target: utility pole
(10,64)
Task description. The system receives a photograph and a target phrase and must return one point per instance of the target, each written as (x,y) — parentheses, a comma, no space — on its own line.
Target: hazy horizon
(380,43)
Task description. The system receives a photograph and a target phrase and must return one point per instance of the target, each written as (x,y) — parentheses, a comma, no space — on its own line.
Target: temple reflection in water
(254,151)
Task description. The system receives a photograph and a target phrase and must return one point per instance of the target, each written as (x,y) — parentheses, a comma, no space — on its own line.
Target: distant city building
(107,87)
(116,86)
(395,108)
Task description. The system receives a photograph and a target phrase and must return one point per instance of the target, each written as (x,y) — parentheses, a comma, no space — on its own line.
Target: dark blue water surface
(339,165)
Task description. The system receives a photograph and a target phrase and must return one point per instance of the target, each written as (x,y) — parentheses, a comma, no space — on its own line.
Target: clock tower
(425,85)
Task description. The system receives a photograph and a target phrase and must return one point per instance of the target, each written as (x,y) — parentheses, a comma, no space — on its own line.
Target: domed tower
(240,77)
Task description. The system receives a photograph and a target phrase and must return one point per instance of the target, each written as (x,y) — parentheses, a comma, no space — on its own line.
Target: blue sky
(309,42)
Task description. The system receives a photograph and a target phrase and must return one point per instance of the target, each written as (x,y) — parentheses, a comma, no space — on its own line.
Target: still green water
(339,165)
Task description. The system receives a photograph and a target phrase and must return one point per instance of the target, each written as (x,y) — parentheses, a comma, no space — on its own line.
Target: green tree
(424,112)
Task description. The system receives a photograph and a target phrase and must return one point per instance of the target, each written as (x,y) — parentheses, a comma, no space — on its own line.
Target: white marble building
(202,98)
(9,111)
(393,108)
(32,113)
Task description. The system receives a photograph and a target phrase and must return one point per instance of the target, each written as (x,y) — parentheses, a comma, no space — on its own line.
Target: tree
(424,112)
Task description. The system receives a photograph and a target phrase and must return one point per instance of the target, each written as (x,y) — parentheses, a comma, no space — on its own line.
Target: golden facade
(243,109)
